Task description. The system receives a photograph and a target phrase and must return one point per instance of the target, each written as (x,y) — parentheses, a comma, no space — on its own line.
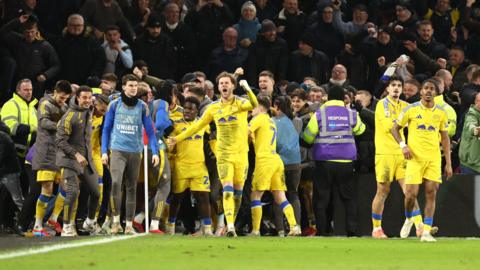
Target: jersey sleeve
(206,118)
(444,122)
(251,103)
(403,118)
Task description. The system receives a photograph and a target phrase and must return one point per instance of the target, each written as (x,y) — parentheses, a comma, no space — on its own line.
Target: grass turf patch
(183,252)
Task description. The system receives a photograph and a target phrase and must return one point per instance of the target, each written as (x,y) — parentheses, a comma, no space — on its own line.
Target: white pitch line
(46,249)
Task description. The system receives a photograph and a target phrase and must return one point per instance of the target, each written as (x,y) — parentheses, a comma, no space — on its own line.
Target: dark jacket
(73,136)
(314,65)
(467,95)
(185,46)
(294,27)
(328,40)
(8,155)
(434,50)
(34,58)
(266,55)
(49,113)
(81,56)
(221,60)
(208,25)
(459,76)
(159,54)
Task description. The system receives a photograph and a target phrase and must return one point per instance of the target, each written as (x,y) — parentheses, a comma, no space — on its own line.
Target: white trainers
(427,237)
(90,227)
(68,231)
(406,228)
(295,231)
(129,230)
(116,228)
(170,229)
(254,234)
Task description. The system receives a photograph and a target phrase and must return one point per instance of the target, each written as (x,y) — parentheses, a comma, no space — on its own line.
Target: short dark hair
(264,101)
(111,77)
(112,28)
(432,81)
(63,86)
(424,22)
(129,78)
(299,93)
(267,73)
(225,74)
(140,63)
(193,100)
(83,88)
(200,74)
(394,78)
(413,82)
(198,91)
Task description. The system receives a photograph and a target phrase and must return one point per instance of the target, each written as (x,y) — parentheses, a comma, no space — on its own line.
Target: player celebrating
(122,134)
(425,120)
(269,171)
(230,116)
(51,108)
(74,157)
(190,170)
(389,160)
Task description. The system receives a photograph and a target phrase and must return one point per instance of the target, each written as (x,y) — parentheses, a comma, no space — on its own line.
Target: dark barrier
(455,212)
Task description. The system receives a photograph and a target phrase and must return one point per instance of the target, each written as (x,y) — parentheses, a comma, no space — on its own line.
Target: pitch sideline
(46,249)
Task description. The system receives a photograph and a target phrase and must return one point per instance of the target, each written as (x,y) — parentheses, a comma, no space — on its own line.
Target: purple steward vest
(335,139)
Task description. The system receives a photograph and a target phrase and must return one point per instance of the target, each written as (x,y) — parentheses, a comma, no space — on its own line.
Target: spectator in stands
(80,54)
(248,25)
(138,15)
(117,52)
(328,39)
(156,48)
(291,23)
(266,9)
(227,57)
(20,116)
(7,73)
(102,14)
(317,95)
(443,18)
(470,91)
(339,77)
(183,40)
(470,143)
(428,45)
(406,20)
(457,65)
(208,20)
(36,59)
(270,52)
(411,90)
(108,84)
(307,61)
(266,84)
(353,27)
(365,105)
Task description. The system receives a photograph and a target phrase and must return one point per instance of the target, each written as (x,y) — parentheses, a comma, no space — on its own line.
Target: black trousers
(29,204)
(330,177)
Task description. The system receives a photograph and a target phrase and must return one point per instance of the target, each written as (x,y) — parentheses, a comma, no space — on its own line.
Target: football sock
(42,204)
(289,214)
(228,205)
(376,220)
(256,209)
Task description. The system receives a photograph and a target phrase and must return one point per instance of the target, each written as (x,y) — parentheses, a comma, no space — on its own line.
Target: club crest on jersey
(419,116)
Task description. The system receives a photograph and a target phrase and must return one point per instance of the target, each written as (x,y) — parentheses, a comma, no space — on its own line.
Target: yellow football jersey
(189,151)
(96,140)
(176,113)
(231,124)
(386,114)
(424,125)
(264,134)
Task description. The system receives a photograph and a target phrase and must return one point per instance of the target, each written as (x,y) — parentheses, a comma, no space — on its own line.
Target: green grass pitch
(186,252)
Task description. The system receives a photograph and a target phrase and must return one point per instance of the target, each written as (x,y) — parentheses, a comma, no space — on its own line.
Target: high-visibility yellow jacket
(21,117)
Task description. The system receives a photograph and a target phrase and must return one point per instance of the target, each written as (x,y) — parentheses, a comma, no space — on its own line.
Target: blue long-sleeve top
(288,146)
(123,128)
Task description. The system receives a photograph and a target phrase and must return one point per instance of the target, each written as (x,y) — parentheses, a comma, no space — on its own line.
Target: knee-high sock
(237,199)
(42,204)
(256,209)
(289,214)
(376,220)
(100,199)
(229,205)
(417,218)
(59,201)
